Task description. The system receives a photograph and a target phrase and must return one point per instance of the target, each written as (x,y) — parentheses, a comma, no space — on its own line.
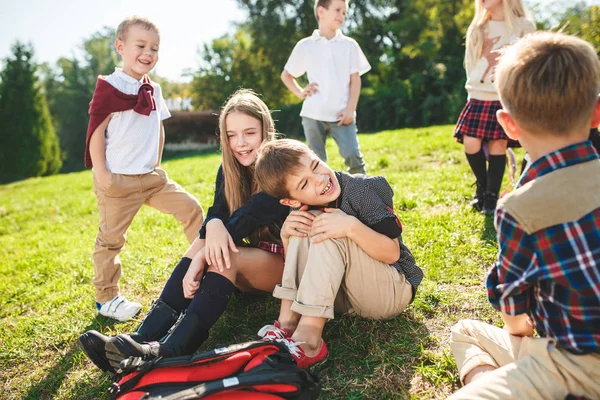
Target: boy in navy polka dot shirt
(346,256)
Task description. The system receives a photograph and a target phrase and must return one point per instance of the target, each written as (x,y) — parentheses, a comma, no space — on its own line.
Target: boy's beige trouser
(338,274)
(119,204)
(528,368)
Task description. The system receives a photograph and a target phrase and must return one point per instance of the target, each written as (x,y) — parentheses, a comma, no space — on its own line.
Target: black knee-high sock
(478,166)
(212,298)
(496,173)
(172,293)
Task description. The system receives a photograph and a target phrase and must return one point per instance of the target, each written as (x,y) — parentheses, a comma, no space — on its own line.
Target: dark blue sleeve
(219,209)
(261,210)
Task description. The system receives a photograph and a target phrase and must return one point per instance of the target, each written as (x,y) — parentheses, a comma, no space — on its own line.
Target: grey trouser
(345,137)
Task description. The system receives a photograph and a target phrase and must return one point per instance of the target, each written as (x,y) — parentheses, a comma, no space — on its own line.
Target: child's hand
(103,178)
(298,223)
(309,90)
(346,117)
(193,276)
(332,224)
(218,244)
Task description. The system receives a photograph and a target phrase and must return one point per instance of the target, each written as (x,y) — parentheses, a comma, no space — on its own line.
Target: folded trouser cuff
(474,362)
(284,293)
(104,295)
(312,311)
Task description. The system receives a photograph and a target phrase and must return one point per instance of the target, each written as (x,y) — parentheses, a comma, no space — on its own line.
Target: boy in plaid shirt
(547,276)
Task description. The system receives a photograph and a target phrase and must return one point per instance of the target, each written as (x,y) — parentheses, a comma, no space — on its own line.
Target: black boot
(184,338)
(92,343)
(477,202)
(155,325)
(489,203)
(478,165)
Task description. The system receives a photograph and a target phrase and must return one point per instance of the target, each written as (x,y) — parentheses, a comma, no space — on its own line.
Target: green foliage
(70,85)
(28,143)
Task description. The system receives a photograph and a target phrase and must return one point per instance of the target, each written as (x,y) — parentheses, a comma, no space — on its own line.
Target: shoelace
(271,332)
(293,347)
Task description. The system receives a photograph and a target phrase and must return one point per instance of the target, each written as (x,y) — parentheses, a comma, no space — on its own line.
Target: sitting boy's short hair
(275,161)
(131,21)
(324,4)
(549,82)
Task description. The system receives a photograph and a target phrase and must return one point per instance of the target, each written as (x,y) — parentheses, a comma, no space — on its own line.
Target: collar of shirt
(128,78)
(565,157)
(316,36)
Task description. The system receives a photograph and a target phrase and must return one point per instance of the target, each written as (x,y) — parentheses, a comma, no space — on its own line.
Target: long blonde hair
(514,10)
(240,184)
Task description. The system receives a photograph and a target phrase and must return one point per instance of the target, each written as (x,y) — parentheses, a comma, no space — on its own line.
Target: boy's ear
(508,123)
(596,115)
(119,46)
(290,203)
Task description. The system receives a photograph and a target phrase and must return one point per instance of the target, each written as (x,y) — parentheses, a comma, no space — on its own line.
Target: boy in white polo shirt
(124,144)
(333,63)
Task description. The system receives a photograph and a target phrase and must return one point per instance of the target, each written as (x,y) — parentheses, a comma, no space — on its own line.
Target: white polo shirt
(329,63)
(131,139)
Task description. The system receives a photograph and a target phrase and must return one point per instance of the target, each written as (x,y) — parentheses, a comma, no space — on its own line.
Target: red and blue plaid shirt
(553,275)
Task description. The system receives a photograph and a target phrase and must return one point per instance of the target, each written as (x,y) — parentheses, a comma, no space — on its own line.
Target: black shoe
(183,339)
(478,199)
(92,343)
(489,203)
(156,324)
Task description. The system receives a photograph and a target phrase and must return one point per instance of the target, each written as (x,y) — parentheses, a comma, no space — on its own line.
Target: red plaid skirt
(271,247)
(478,119)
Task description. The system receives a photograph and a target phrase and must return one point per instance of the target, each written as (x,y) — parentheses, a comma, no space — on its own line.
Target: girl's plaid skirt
(271,247)
(478,119)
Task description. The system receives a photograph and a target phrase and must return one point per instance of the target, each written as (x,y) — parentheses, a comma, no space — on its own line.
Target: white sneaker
(119,308)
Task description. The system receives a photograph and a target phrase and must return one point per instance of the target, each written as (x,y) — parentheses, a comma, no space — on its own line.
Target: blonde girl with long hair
(496,24)
(238,247)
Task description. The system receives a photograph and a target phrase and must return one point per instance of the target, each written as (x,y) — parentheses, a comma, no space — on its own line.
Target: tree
(70,85)
(29,145)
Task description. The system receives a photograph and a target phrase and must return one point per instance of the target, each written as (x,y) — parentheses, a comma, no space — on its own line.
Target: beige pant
(337,274)
(119,204)
(528,368)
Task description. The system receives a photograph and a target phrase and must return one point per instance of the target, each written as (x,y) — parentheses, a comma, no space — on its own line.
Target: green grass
(47,231)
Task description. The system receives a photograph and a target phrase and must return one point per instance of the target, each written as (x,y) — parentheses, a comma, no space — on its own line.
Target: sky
(58,28)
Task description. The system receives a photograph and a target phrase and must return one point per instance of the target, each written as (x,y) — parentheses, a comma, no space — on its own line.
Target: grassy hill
(47,231)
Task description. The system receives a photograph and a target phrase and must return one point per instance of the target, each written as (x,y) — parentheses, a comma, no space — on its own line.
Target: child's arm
(161,144)
(98,155)
(334,223)
(518,325)
(290,82)
(346,117)
(297,223)
(193,276)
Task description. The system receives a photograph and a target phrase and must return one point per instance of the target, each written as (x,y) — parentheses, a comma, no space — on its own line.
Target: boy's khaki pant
(528,368)
(119,204)
(338,274)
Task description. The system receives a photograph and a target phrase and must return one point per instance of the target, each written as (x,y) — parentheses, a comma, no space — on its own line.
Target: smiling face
(244,136)
(334,16)
(312,183)
(139,50)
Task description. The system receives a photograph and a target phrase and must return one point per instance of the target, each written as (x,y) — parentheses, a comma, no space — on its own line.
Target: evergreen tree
(28,143)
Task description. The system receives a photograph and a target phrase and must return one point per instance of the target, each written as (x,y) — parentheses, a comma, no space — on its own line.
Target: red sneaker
(302,360)
(274,332)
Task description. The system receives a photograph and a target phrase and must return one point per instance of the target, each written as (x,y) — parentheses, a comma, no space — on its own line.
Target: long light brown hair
(514,10)
(240,184)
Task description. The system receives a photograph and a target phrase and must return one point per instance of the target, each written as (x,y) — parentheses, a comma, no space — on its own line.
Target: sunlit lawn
(47,231)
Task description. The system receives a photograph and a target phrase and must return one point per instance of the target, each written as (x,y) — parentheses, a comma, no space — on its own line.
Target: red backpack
(252,370)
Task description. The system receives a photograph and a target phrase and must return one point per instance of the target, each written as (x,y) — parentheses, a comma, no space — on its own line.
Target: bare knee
(472,145)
